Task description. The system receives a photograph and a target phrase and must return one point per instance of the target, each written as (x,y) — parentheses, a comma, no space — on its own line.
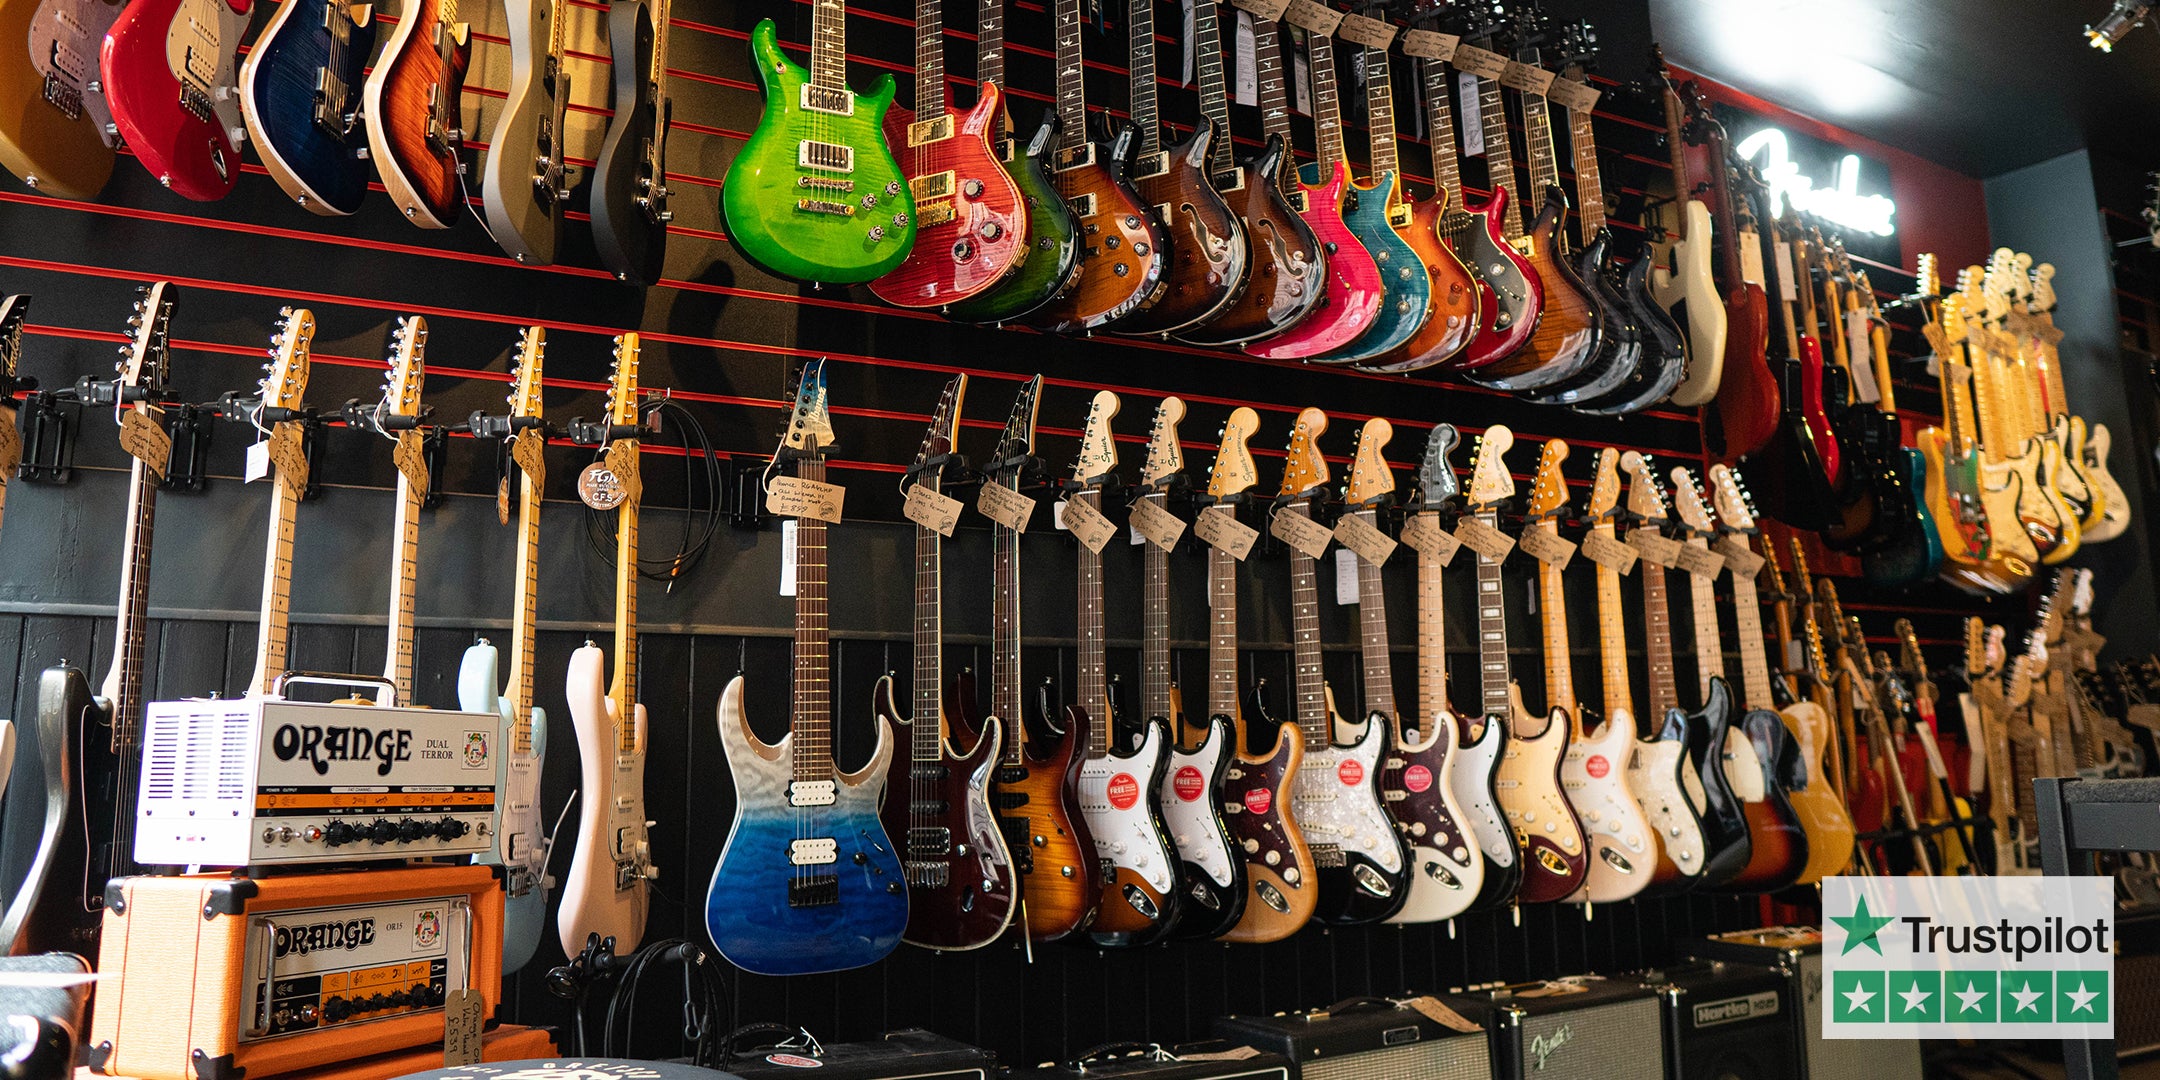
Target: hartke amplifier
(205,976)
(1134,1061)
(910,1054)
(1796,952)
(1727,1020)
(1570,1029)
(268,782)
(1367,1039)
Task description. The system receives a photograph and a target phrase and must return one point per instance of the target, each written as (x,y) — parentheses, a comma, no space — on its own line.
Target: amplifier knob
(409,830)
(336,1009)
(382,832)
(451,828)
(341,833)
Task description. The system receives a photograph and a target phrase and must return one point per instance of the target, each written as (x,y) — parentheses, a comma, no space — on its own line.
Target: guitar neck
(1222,633)
(929,58)
(1071,81)
(811,725)
(1431,635)
(662,12)
(1499,154)
(1552,612)
(1373,636)
(990,42)
(1092,681)
(527,627)
(404,577)
(1492,629)
(123,681)
(1140,68)
(1155,637)
(1005,633)
(1657,638)
(1612,637)
(927,734)
(1440,120)
(1537,134)
(1274,100)
(1589,185)
(1214,91)
(1754,655)
(624,691)
(1312,713)
(1709,645)
(1676,151)
(1380,111)
(270,632)
(828,44)
(1327,103)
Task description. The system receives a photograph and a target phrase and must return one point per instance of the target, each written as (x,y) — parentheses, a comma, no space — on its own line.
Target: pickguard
(1481,811)
(1595,776)
(1188,807)
(1113,796)
(1332,796)
(1655,777)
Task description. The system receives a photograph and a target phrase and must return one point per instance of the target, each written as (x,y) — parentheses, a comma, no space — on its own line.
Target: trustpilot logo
(1968,957)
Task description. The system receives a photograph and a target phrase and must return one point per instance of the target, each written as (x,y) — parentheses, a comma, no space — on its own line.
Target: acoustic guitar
(629,197)
(414,116)
(179,116)
(300,91)
(58,140)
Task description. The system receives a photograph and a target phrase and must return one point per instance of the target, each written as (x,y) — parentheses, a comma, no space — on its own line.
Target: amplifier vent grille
(196,754)
(1849,1059)
(1444,1059)
(1620,1041)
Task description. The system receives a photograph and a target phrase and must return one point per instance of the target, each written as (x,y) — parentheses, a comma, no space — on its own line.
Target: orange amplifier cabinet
(213,976)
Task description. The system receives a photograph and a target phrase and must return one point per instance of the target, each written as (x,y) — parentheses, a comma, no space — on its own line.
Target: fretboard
(526,630)
(1440,118)
(1492,629)
(1274,102)
(1222,633)
(1092,681)
(929,58)
(1657,628)
(990,42)
(1709,645)
(1537,134)
(1754,657)
(661,14)
(929,635)
(812,717)
(828,43)
(1372,635)
(625,689)
(1155,628)
(1552,612)
(1312,714)
(123,681)
(1612,636)
(1431,635)
(404,577)
(1071,78)
(1589,186)
(1327,103)
(270,632)
(1005,631)
(1499,154)
(1214,94)
(1140,66)
(1380,111)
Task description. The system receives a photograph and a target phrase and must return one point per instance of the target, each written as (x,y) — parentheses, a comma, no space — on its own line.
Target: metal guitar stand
(2076,819)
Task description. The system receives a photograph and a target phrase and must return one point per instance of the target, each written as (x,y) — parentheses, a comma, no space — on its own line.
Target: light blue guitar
(808,881)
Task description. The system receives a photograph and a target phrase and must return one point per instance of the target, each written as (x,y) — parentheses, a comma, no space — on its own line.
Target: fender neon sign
(1839,201)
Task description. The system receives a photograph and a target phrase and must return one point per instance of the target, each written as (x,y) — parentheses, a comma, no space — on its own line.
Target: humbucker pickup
(821,206)
(928,841)
(831,157)
(1297,202)
(1083,205)
(837,100)
(813,852)
(811,793)
(937,213)
(934,186)
(1398,216)
(330,96)
(1155,164)
(1074,157)
(925,132)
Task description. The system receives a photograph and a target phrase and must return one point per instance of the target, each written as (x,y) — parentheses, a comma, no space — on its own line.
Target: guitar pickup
(928,841)
(1155,164)
(830,157)
(1398,216)
(933,186)
(330,95)
(937,213)
(925,132)
(821,206)
(1075,157)
(811,793)
(813,852)
(838,101)
(1083,205)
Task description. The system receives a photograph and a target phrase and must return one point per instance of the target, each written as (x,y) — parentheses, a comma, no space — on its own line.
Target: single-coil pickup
(937,213)
(837,100)
(820,206)
(811,793)
(925,132)
(813,852)
(831,157)
(933,186)
(826,183)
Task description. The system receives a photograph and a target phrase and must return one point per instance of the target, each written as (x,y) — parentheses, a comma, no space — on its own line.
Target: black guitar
(629,194)
(14,311)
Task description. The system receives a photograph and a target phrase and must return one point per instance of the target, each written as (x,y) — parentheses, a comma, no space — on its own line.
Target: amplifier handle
(1154,1052)
(266,978)
(1355,1004)
(462,912)
(328,678)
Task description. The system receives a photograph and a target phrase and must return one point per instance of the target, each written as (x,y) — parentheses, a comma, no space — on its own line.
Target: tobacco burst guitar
(630,212)
(14,312)
(611,869)
(170,77)
(55,138)
(525,182)
(521,844)
(415,122)
(300,86)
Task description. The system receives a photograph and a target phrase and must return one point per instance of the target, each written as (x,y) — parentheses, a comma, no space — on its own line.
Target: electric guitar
(1716,746)
(1556,853)
(1507,286)
(170,79)
(1280,891)
(1904,548)
(1362,869)
(1806,452)
(971,223)
(1476,776)
(1447,868)
(808,880)
(1961,501)
(1687,288)
(57,140)
(412,107)
(91,745)
(1124,251)
(629,196)
(401,398)
(1747,394)
(2112,514)
(1662,775)
(1624,847)
(284,385)
(1450,318)
(300,88)
(611,869)
(1496,226)
(1037,789)
(2012,459)
(1987,727)
(14,312)
(1213,869)
(1961,855)
(522,844)
(962,891)
(2032,325)
(815,194)
(525,182)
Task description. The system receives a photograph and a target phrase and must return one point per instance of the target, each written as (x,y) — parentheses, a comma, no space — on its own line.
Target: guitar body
(1511,293)
(629,229)
(1570,330)
(1118,279)
(1213,869)
(829,235)
(1121,797)
(971,224)
(1663,361)
(1453,321)
(1286,275)
(1280,895)
(2033,508)
(519,195)
(1417,782)
(1908,549)
(1726,847)
(1747,395)
(1351,300)
(1555,854)
(1405,288)
(767,914)
(2069,479)
(52,135)
(1052,262)
(315,148)
(1823,818)
(962,891)
(1475,779)
(600,893)
(1623,846)
(187,136)
(58,905)
(1689,292)
(2114,504)
(413,117)
(522,844)
(1359,862)
(2047,476)
(1620,351)
(1799,484)
(1037,803)
(1665,785)
(1208,260)
(1777,842)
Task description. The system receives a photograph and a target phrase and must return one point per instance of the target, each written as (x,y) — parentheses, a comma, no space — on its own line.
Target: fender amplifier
(1726,1020)
(1570,1029)
(1136,1061)
(1796,953)
(205,976)
(1369,1039)
(911,1054)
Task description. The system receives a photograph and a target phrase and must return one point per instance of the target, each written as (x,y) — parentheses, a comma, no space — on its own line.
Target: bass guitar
(1662,775)
(1476,776)
(91,746)
(169,70)
(1806,454)
(807,881)
(414,116)
(611,870)
(629,196)
(58,140)
(962,891)
(1624,847)
(300,93)
(819,149)
(522,845)
(1450,318)
(1687,288)
(525,183)
(1556,853)
(14,312)
(1856,522)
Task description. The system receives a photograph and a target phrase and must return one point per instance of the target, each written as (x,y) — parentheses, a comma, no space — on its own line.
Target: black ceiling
(1982,86)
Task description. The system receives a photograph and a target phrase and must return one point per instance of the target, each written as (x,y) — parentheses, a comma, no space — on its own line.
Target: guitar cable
(699,523)
(705,998)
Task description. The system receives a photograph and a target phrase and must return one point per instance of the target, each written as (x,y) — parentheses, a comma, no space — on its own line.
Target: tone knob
(869,201)
(409,830)
(382,832)
(1552,826)
(1417,828)
(1251,845)
(1140,247)
(1529,817)
(892,187)
(973,189)
(1593,817)
(1118,847)
(1272,858)
(877,233)
(1290,875)
(1132,221)
(991,230)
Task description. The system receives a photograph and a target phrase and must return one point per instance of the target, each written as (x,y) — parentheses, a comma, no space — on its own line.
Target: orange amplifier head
(208,976)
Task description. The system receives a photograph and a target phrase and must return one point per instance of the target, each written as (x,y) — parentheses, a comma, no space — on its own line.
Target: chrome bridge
(64,96)
(928,874)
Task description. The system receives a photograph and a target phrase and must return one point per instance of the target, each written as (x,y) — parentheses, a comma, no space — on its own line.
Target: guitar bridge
(816,890)
(63,96)
(1326,855)
(196,101)
(820,206)
(927,875)
(937,213)
(330,96)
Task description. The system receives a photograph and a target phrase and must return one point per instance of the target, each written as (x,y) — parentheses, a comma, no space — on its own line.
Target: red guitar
(1747,398)
(173,84)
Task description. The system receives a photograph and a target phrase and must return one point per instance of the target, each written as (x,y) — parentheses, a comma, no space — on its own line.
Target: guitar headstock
(944,426)
(2047,625)
(2043,288)
(1994,288)
(1371,478)
(1436,484)
(401,389)
(1490,483)
(623,389)
(145,360)
(525,382)
(1548,488)
(285,378)
(1818,660)
(1233,470)
(1165,455)
(1018,441)
(1927,281)
(1909,656)
(1976,659)
(1605,486)
(14,311)
(1735,508)
(1098,451)
(1777,575)
(1304,470)
(1688,497)
(809,430)
(1577,47)
(1479,20)
(1646,496)
(2018,281)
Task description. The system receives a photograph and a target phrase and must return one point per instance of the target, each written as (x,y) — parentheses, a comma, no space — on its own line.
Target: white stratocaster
(1477,770)
(1688,288)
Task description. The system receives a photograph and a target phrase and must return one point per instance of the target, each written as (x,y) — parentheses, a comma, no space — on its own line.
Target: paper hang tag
(793,496)
(1346,578)
(1483,539)
(1468,117)
(502,500)
(1858,339)
(1247,91)
(1364,539)
(412,461)
(1266,10)
(1187,39)
(787,557)
(1371,33)
(1219,528)
(1934,366)
(622,460)
(1739,558)
(144,439)
(258,461)
(932,509)
(1548,547)
(1527,78)
(1316,17)
(1573,96)
(1425,536)
(529,452)
(1654,546)
(1086,522)
(1701,561)
(10,443)
(1304,535)
(289,456)
(1005,506)
(1787,277)
(1236,1053)
(1429,44)
(1432,1009)
(1485,64)
(1300,76)
(462,1021)
(1160,527)
(1600,547)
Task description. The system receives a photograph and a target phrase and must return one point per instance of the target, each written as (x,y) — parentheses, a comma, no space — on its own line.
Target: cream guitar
(1662,775)
(1624,845)
(2011,458)
(284,386)
(1556,854)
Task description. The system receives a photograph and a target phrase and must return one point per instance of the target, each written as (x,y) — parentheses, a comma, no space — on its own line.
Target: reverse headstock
(1017,443)
(1604,501)
(285,378)
(143,363)
(1735,508)
(809,429)
(937,442)
(1548,489)
(1233,470)
(408,346)
(1304,470)
(1688,497)
(1370,477)
(1436,476)
(1646,495)
(1490,483)
(1098,451)
(1165,456)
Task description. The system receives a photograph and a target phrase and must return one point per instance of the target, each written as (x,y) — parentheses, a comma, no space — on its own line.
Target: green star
(1860,928)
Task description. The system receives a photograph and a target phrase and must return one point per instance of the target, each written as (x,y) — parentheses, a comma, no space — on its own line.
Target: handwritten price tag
(1263,10)
(529,451)
(1086,522)
(1572,95)
(1483,538)
(1425,536)
(144,439)
(462,1021)
(1219,528)
(1740,558)
(1430,44)
(1701,561)
(622,460)
(1527,78)
(411,462)
(1659,549)
(932,509)
(1005,506)
(290,458)
(1547,546)
(1371,33)
(1316,17)
(1480,62)
(1306,536)
(1158,526)
(1364,538)
(795,497)
(10,444)
(1600,547)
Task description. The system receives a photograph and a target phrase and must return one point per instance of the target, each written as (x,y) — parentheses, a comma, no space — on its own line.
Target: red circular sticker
(795,1061)
(1597,766)
(1123,791)
(1188,783)
(1417,778)
(1351,772)
(1259,799)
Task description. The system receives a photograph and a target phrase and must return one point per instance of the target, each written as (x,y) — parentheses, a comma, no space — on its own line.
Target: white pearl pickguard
(1340,806)
(1655,777)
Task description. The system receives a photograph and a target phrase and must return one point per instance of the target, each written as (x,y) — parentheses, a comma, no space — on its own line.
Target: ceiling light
(2127,16)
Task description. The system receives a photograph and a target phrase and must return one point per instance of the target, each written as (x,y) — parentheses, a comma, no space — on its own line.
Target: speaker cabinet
(1570,1029)
(1369,1039)
(1796,953)
(1727,1020)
